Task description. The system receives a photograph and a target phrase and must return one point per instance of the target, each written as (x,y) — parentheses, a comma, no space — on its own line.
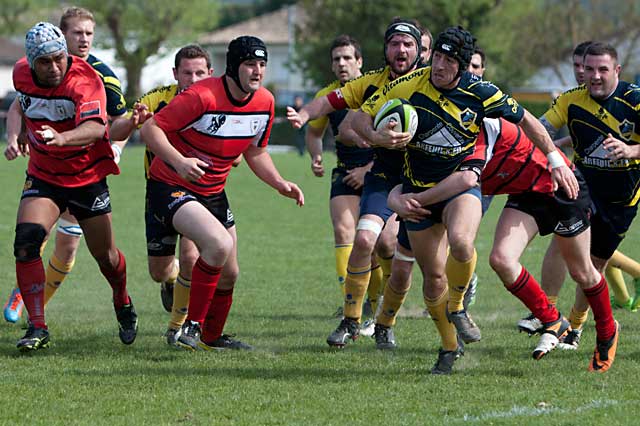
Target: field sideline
(284,300)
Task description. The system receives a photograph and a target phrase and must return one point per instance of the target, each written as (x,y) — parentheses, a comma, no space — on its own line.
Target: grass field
(284,300)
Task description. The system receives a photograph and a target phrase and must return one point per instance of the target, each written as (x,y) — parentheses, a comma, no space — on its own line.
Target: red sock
(598,297)
(527,289)
(204,280)
(117,279)
(31,279)
(217,315)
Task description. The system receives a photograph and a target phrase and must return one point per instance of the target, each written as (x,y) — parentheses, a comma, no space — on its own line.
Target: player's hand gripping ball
(401,112)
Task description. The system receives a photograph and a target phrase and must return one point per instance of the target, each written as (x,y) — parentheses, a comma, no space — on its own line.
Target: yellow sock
(56,272)
(553,300)
(355,287)
(438,311)
(625,263)
(616,284)
(385,264)
(376,287)
(391,304)
(180,307)
(459,274)
(343,251)
(174,273)
(578,318)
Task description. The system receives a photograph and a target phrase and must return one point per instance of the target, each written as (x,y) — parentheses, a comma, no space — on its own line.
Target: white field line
(519,411)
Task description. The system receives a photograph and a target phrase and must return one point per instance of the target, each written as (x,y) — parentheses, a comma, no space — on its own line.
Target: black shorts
(162,203)
(338,187)
(609,225)
(556,213)
(83,202)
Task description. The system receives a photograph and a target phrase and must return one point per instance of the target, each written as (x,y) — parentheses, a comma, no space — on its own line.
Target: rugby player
(451,104)
(195,139)
(77,25)
(191,64)
(62,102)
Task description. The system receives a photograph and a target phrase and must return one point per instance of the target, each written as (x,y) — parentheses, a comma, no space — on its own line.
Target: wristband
(555,159)
(116,148)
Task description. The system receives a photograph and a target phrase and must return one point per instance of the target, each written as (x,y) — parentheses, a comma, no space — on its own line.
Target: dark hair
(478,50)
(598,49)
(346,40)
(75,12)
(410,27)
(191,51)
(581,48)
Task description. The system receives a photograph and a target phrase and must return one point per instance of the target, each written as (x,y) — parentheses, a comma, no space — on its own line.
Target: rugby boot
(530,325)
(550,337)
(385,340)
(223,342)
(466,328)
(348,329)
(127,323)
(35,338)
(605,353)
(13,307)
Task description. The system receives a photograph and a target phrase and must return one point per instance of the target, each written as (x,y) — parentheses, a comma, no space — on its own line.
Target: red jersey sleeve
(185,108)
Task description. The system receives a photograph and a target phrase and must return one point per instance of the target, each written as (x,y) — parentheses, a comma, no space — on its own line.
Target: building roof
(10,51)
(272,28)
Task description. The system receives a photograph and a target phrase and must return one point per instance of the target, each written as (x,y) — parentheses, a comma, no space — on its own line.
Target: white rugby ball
(401,112)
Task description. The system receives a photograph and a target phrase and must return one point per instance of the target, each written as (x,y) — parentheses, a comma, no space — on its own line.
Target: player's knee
(498,261)
(215,251)
(229,277)
(585,278)
(29,239)
(365,240)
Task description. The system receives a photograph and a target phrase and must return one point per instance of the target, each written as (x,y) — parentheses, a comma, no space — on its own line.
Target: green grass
(284,299)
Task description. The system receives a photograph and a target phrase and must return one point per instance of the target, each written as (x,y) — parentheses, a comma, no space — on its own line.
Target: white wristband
(116,148)
(555,159)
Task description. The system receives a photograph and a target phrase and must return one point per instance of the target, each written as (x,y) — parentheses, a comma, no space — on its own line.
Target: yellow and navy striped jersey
(348,156)
(590,121)
(155,100)
(387,162)
(116,105)
(448,120)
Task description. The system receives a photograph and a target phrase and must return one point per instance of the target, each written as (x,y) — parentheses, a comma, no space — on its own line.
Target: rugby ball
(401,112)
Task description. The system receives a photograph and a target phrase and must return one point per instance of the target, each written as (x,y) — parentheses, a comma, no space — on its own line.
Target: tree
(17,16)
(138,28)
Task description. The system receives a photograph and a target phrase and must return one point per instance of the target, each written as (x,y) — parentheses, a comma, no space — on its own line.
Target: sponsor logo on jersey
(467,118)
(626,129)
(216,122)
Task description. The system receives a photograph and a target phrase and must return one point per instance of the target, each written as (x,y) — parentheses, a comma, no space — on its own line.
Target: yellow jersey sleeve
(321,122)
(557,115)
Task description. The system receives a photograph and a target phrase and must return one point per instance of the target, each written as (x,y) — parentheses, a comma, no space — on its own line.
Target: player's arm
(313,140)
(314,109)
(191,169)
(355,176)
(85,133)
(561,174)
(123,126)
(564,142)
(261,164)
(406,205)
(16,146)
(348,135)
(362,124)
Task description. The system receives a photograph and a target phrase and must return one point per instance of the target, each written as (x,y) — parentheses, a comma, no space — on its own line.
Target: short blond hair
(75,12)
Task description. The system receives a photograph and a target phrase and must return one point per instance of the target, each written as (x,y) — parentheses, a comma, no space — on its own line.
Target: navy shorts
(163,201)
(436,209)
(556,213)
(609,224)
(374,195)
(338,187)
(83,202)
